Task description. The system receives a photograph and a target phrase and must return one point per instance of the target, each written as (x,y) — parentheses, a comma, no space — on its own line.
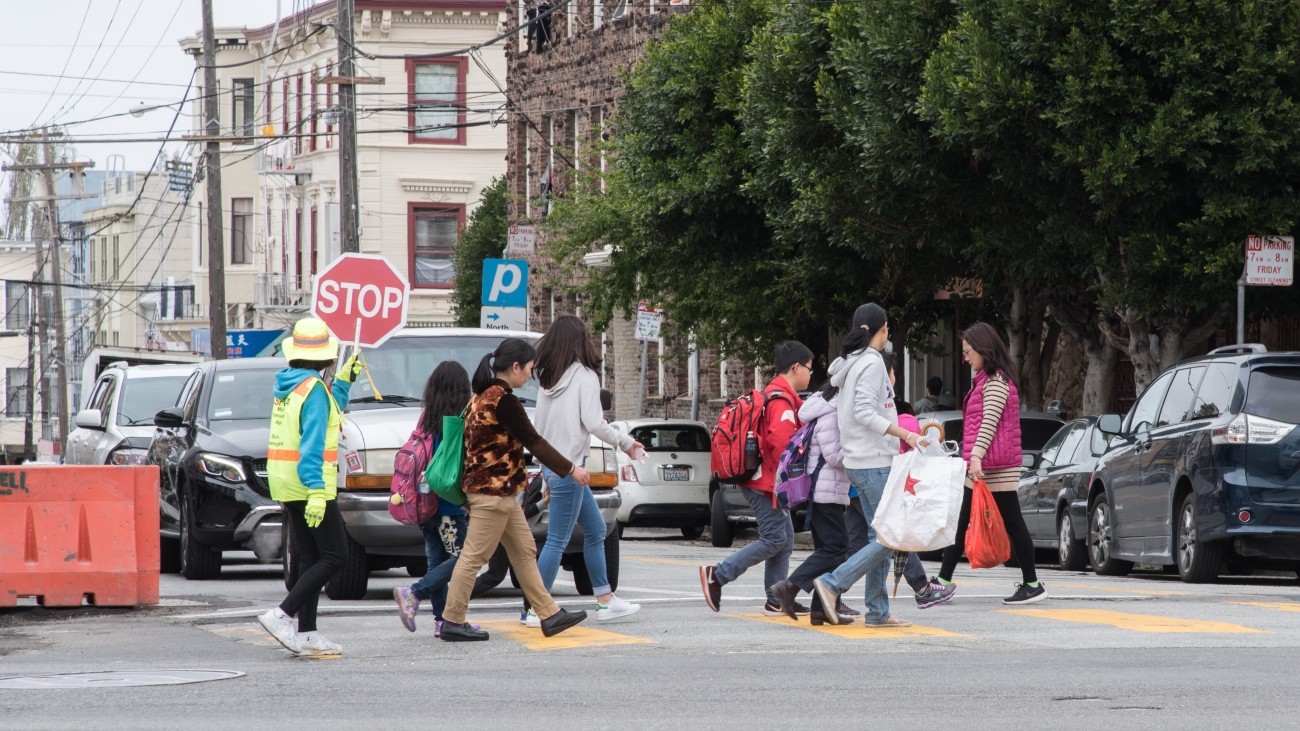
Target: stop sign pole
(362,299)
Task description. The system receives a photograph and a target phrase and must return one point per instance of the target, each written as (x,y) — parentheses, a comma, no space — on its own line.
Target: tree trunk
(1099,379)
(1031,345)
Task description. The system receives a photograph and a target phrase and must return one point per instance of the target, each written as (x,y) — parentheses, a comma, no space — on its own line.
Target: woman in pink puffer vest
(991,445)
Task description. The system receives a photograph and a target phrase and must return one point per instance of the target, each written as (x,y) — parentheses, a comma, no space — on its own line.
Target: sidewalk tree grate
(116,679)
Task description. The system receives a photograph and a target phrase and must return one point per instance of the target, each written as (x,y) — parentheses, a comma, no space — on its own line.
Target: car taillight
(628,473)
(1246,429)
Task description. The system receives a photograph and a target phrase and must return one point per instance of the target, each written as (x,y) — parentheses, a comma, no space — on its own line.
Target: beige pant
(496,520)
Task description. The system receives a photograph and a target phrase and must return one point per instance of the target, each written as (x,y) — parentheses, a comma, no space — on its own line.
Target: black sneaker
(712,589)
(1026,594)
(560,621)
(773,609)
(452,632)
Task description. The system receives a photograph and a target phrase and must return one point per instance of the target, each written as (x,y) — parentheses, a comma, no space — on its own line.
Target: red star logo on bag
(909,486)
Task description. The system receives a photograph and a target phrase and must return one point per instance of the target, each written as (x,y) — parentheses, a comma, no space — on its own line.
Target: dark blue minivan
(1205,468)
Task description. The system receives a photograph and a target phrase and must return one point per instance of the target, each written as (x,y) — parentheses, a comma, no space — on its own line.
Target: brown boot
(785,593)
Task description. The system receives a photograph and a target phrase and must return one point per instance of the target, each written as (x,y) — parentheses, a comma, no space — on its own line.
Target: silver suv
(116,425)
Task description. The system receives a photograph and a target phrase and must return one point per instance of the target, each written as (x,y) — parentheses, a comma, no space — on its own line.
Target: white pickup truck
(374,428)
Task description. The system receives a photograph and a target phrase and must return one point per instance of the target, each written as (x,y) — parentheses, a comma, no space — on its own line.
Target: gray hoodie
(569,412)
(866,410)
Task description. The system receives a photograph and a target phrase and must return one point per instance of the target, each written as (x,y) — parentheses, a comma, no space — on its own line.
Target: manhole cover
(116,679)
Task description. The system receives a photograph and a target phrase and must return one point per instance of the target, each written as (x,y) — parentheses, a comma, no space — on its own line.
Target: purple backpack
(411,502)
(793,478)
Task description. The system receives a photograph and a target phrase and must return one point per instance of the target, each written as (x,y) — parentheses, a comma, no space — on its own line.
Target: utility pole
(60,355)
(212,170)
(347,131)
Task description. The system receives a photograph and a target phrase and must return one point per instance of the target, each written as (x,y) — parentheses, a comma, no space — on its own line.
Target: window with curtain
(15,392)
(434,231)
(241,229)
(18,306)
(243,109)
(438,100)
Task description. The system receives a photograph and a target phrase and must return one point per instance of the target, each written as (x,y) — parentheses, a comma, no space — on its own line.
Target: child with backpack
(776,410)
(445,394)
(826,506)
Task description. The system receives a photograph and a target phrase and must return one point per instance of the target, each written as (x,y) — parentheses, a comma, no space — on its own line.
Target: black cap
(870,317)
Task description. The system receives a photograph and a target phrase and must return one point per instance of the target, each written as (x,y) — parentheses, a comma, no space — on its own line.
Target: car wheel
(350,581)
(1198,562)
(288,559)
(692,531)
(1101,536)
(417,568)
(1072,552)
(721,533)
(198,562)
(514,580)
(169,555)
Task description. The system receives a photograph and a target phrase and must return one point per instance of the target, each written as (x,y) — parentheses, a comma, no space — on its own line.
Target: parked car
(211,450)
(671,489)
(382,412)
(1054,491)
(1205,468)
(1036,427)
(116,425)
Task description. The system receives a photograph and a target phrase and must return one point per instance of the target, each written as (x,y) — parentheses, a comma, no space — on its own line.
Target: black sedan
(211,451)
(1054,491)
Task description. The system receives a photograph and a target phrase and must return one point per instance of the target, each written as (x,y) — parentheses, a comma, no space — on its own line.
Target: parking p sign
(505,283)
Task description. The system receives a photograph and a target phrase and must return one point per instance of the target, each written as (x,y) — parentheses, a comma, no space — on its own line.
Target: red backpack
(411,501)
(736,446)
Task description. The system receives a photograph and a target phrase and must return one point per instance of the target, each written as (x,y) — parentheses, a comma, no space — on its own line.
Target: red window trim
(284,106)
(412,210)
(329,104)
(462,72)
(297,118)
(267,113)
(311,141)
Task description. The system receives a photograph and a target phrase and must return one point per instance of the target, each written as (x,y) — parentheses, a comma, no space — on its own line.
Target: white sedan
(671,488)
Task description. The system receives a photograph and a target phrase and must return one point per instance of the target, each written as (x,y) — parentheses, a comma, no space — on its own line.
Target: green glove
(315,512)
(351,368)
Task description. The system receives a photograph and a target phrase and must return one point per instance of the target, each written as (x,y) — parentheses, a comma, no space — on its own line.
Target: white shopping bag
(921,502)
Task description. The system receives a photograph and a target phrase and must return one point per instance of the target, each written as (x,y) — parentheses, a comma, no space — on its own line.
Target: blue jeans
(444,535)
(572,504)
(774,544)
(860,533)
(870,560)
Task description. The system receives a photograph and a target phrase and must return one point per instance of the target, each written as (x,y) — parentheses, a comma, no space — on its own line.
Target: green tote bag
(447,468)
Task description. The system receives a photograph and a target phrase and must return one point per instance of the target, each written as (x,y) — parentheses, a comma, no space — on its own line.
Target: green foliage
(484,237)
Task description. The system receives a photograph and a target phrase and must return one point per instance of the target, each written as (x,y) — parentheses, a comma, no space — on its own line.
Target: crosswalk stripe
(577,637)
(1135,622)
(1280,606)
(855,631)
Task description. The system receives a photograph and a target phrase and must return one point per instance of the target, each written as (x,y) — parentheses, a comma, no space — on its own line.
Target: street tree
(484,237)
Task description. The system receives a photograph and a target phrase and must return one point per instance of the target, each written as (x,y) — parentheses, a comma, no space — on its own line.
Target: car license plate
(677,474)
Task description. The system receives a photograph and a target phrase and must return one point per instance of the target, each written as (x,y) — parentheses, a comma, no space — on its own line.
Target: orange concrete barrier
(72,532)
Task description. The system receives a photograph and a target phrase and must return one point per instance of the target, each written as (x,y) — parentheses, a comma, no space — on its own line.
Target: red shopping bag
(986,537)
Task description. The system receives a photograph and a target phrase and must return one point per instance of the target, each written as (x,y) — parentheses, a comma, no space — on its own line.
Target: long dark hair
(983,339)
(508,353)
(565,343)
(867,319)
(445,394)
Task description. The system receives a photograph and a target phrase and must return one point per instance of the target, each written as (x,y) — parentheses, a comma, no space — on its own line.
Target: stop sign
(362,299)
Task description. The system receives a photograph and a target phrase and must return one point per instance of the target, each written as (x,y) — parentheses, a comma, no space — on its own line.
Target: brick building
(563,97)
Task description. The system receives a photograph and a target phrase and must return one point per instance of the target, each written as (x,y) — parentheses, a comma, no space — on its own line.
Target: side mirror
(1109,424)
(90,419)
(606,399)
(172,418)
(1027,461)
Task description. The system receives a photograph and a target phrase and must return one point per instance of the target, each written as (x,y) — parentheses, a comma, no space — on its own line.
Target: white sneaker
(531,620)
(615,609)
(314,644)
(281,627)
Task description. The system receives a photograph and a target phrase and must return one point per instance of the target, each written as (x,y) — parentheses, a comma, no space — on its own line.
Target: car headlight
(221,467)
(376,471)
(127,456)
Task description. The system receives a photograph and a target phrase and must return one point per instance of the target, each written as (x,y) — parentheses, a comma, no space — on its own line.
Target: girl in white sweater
(568,413)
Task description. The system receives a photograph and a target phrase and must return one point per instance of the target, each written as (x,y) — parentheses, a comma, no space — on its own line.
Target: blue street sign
(505,283)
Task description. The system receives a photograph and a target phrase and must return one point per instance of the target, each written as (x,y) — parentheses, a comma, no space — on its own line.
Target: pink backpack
(411,501)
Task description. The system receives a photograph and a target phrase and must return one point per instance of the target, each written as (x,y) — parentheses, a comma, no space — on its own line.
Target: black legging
(1022,546)
(830,544)
(320,552)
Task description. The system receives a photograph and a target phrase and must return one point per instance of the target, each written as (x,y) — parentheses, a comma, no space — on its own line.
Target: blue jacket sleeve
(342,392)
(314,420)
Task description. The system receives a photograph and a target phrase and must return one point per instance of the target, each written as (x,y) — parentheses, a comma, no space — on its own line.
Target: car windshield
(144,396)
(401,366)
(1034,433)
(1274,393)
(241,394)
(672,438)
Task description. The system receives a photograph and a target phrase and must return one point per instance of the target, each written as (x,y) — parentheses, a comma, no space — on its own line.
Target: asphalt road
(1145,651)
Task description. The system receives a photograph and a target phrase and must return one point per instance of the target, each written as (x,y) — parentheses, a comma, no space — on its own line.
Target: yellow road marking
(855,631)
(1135,622)
(1142,592)
(1281,606)
(663,561)
(579,636)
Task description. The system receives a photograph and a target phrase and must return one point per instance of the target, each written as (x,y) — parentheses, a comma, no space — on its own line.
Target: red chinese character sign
(362,298)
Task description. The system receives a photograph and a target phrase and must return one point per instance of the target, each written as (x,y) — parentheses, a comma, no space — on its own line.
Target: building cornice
(427,185)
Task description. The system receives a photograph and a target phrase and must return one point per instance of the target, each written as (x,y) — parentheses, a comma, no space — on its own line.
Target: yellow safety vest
(282,450)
